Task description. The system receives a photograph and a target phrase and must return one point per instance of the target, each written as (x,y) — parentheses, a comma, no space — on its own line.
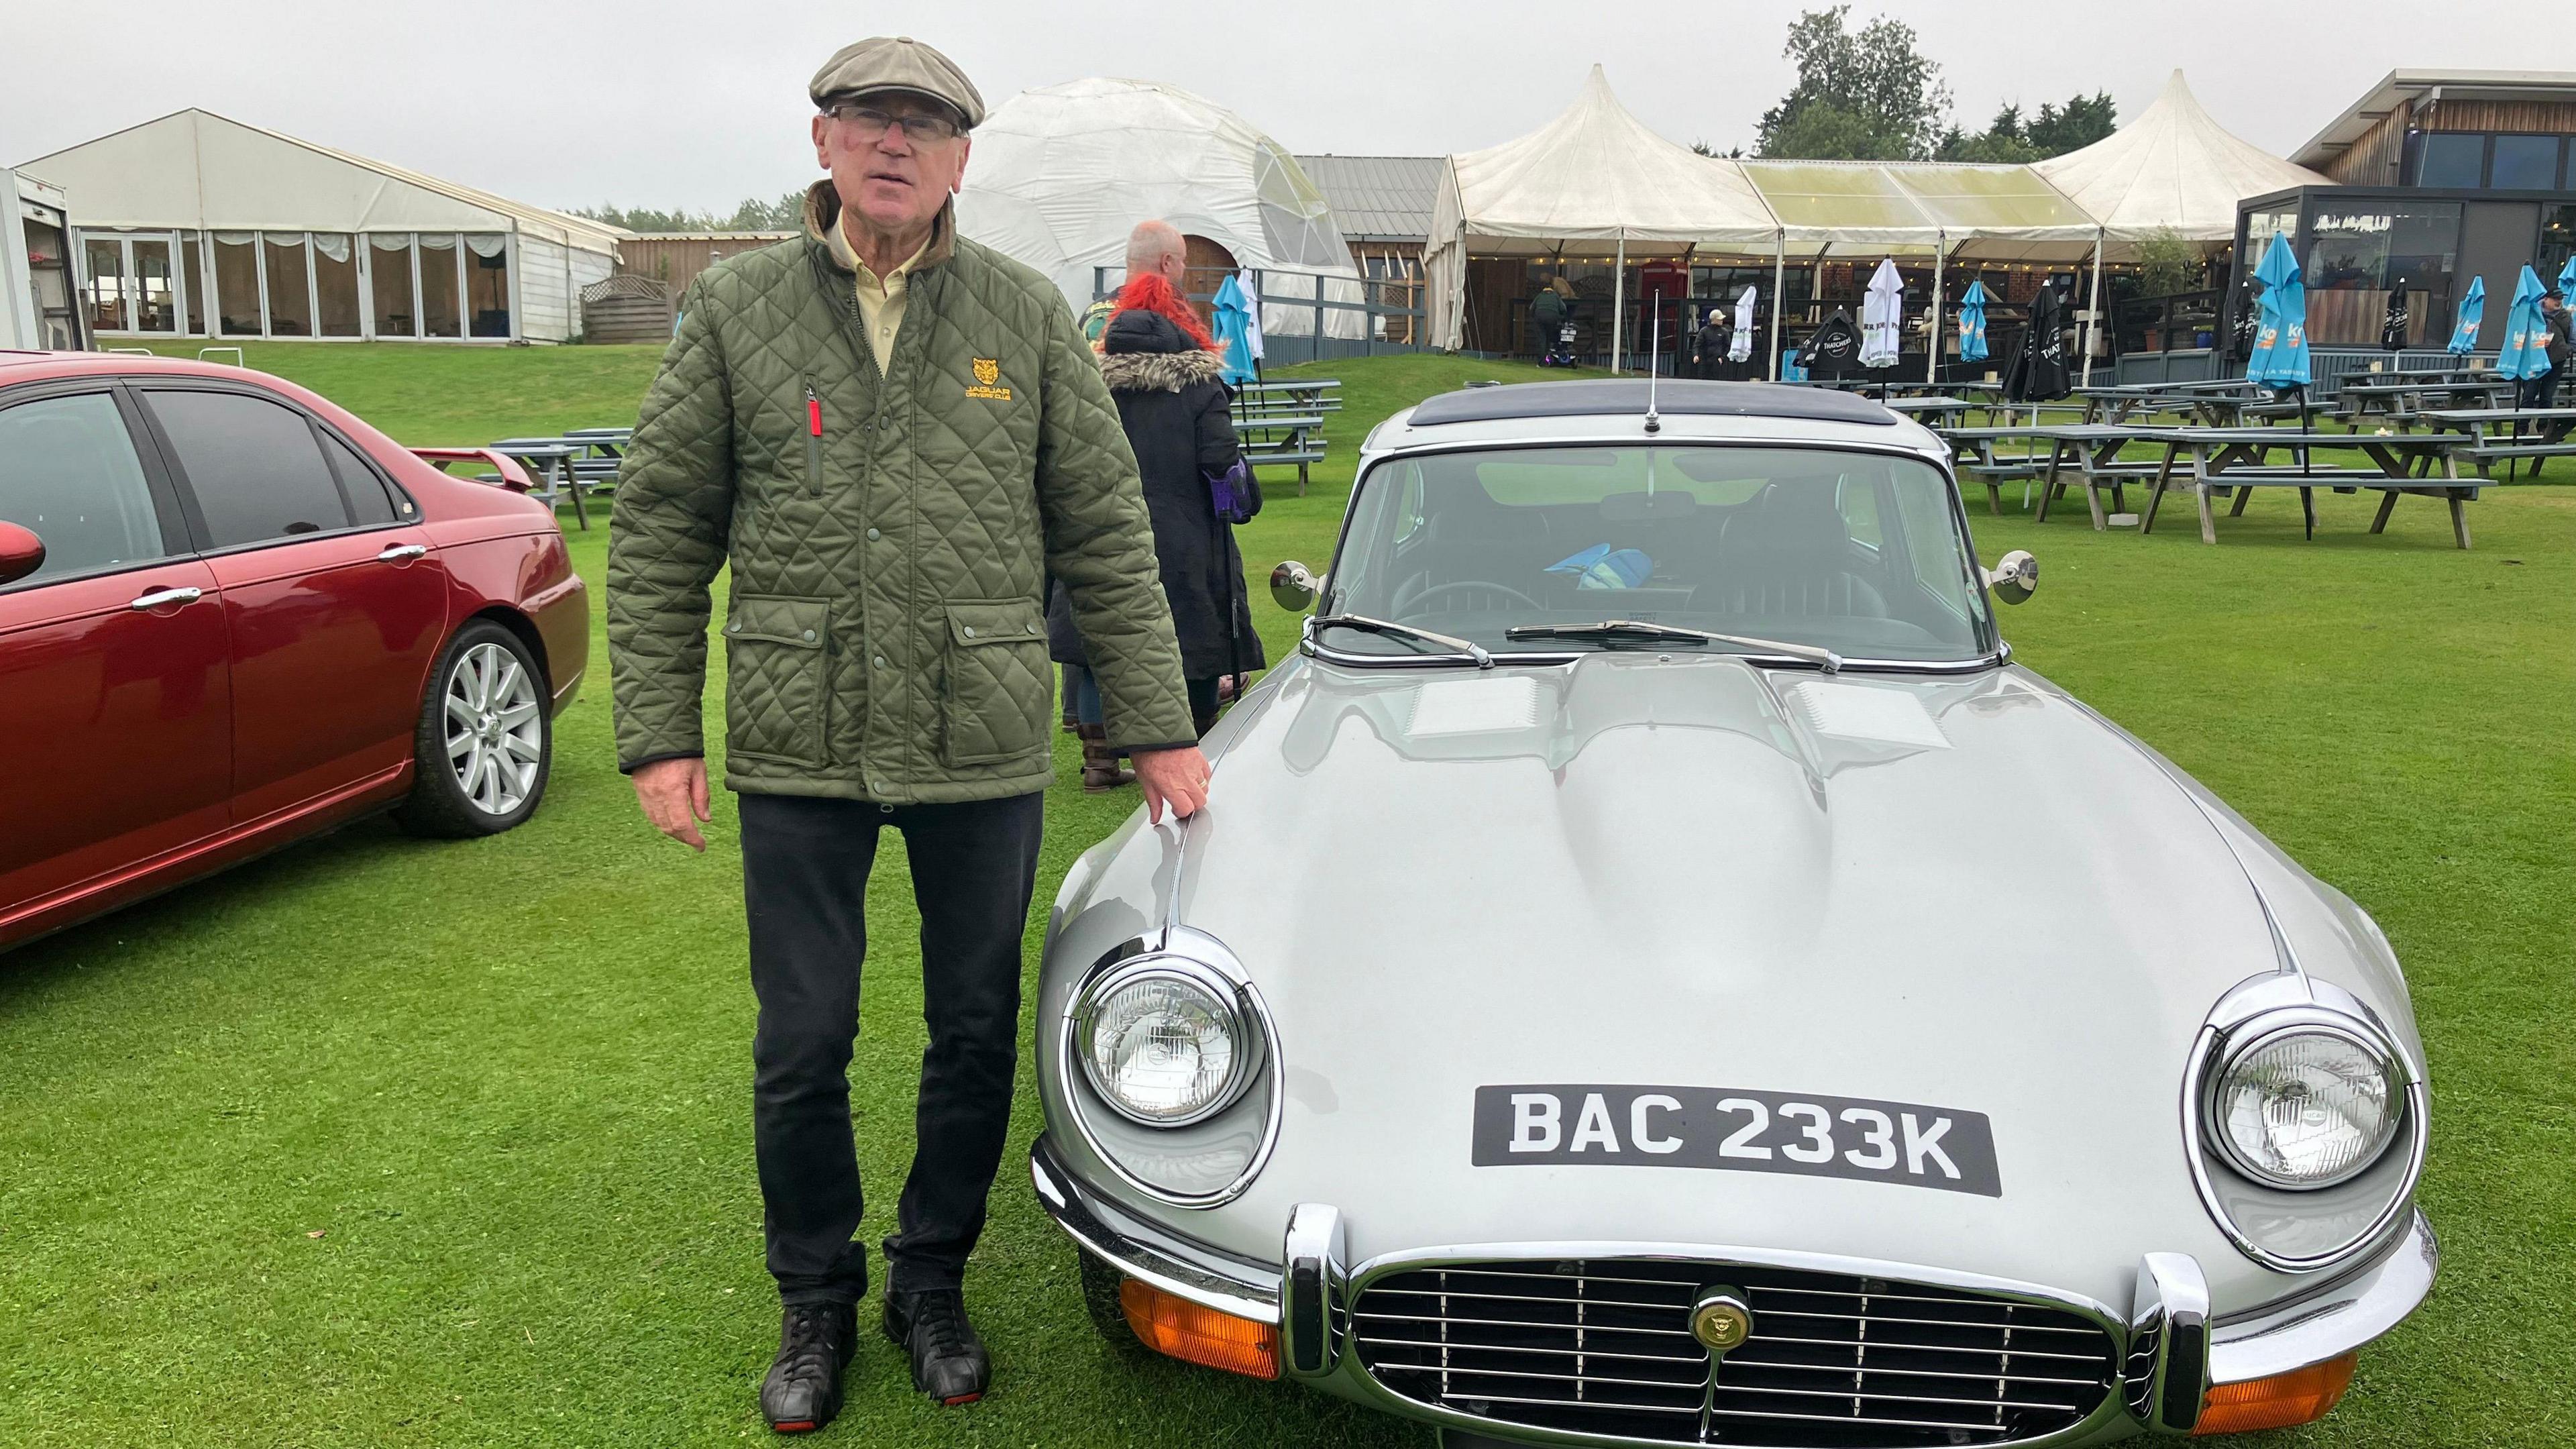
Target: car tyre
(485,742)
(1100,1299)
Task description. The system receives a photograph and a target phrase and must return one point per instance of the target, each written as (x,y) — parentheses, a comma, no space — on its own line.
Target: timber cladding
(676,258)
(2376,157)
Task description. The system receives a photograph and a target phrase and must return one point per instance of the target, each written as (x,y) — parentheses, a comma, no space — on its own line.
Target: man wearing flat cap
(894,436)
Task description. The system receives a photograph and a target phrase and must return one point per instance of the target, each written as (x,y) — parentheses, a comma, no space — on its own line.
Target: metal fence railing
(1312,316)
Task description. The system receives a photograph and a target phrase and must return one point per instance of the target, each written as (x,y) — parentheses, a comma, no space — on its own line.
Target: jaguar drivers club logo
(988,373)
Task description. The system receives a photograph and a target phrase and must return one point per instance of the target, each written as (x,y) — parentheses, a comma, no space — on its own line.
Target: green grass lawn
(379,1142)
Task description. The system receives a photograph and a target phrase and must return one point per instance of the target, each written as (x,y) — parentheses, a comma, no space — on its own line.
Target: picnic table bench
(2237,458)
(2403,402)
(2495,434)
(1974,455)
(1282,422)
(578,462)
(1930,409)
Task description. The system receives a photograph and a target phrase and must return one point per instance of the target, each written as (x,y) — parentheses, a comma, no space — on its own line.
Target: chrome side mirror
(21,552)
(2013,580)
(1294,586)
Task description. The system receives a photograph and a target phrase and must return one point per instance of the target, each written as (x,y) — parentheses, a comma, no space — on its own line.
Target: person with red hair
(1164,373)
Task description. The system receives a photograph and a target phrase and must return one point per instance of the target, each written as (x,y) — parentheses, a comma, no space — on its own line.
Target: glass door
(156,284)
(103,283)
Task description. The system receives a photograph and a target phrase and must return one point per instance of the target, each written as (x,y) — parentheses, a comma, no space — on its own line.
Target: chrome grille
(1834,1362)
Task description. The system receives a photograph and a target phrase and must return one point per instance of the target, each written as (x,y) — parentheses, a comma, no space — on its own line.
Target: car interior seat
(1789,553)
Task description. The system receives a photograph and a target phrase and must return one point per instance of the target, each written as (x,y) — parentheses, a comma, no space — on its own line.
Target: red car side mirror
(21,552)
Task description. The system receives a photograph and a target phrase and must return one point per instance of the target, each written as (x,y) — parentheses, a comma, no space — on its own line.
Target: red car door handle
(403,552)
(156,598)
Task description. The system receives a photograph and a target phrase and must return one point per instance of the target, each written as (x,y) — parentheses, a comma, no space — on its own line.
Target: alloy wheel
(495,730)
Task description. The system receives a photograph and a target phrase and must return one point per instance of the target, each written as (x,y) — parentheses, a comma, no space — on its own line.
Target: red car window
(253,465)
(369,504)
(69,475)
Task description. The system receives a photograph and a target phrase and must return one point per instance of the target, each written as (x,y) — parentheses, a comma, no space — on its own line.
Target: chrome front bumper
(1300,1292)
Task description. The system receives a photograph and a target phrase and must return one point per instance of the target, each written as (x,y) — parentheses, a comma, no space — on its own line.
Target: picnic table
(2366,375)
(550,462)
(1282,422)
(1973,452)
(2403,402)
(2510,434)
(579,461)
(2219,404)
(1931,409)
(2237,458)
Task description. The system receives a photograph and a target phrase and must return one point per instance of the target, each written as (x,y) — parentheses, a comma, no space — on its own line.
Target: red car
(232,615)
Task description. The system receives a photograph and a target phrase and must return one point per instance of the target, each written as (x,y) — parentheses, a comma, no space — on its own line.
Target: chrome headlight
(1163,1041)
(2304,1105)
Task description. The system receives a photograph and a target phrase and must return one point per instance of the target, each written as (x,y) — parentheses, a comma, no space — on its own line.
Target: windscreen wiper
(1608,629)
(1461,649)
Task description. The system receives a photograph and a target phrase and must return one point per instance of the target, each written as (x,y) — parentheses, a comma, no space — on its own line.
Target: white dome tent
(1061,174)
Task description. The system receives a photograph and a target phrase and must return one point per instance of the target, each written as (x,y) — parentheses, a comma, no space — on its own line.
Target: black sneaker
(948,1359)
(803,1390)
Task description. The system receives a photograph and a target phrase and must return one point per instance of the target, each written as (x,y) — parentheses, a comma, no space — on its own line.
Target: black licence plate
(1736,1129)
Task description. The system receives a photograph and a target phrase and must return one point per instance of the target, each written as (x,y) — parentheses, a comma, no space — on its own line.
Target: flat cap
(897,63)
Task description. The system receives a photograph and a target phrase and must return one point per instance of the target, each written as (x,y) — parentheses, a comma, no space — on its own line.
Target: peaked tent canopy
(2172,168)
(1595,173)
(1062,173)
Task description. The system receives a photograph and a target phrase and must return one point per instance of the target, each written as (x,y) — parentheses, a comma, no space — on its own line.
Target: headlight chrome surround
(1184,950)
(2256,1013)
(2278,1028)
(1223,1000)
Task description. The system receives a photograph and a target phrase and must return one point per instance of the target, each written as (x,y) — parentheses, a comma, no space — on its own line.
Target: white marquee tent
(2171,169)
(1061,174)
(197,225)
(1595,173)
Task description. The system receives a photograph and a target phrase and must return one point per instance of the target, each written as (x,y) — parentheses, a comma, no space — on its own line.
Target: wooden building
(2438,177)
(674,258)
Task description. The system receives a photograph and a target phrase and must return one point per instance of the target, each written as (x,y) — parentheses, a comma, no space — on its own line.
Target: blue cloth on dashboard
(1602,567)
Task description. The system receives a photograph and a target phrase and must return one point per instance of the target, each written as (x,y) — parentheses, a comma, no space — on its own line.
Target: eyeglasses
(867,123)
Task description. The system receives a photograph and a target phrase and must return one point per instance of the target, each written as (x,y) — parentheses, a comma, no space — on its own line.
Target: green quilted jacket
(891,535)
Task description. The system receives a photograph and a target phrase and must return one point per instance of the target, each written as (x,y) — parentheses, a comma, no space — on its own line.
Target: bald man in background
(1154,246)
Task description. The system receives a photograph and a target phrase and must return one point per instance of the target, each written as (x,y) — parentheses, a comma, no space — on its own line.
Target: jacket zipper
(813,437)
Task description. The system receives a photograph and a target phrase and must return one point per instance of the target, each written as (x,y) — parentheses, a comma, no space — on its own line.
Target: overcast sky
(651,103)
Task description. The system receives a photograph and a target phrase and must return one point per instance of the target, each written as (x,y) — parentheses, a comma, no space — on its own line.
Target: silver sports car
(1653,970)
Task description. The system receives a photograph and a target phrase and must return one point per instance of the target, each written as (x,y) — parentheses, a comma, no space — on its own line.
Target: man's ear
(965,152)
(822,157)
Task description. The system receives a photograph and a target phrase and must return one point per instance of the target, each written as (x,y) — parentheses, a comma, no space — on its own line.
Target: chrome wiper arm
(1460,647)
(1824,659)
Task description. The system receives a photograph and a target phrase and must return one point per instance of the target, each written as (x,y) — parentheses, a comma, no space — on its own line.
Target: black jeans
(2541,391)
(805,876)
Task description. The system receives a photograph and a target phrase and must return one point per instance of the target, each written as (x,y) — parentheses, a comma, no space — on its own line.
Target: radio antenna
(1655,369)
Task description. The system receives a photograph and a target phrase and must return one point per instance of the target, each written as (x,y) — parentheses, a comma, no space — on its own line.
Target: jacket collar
(823,229)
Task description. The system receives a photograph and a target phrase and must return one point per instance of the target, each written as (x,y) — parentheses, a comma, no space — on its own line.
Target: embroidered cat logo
(988,371)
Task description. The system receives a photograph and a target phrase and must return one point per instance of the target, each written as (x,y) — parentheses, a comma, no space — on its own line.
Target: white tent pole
(2093,309)
(1932,347)
(1779,274)
(1618,301)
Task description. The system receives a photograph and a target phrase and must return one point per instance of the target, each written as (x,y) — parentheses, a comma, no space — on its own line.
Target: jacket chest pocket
(777,684)
(996,691)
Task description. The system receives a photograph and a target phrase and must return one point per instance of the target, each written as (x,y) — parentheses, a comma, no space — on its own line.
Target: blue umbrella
(2567,277)
(1972,322)
(2280,356)
(1233,316)
(2473,310)
(2526,341)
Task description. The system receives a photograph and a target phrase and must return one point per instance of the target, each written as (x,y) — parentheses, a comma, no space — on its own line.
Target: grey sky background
(650,103)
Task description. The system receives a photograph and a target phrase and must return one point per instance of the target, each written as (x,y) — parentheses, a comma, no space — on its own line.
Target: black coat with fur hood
(1175,412)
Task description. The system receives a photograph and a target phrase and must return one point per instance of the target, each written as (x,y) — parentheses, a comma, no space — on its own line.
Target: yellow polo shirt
(881,299)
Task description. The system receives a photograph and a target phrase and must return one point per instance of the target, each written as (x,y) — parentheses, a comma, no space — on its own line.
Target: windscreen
(1860,553)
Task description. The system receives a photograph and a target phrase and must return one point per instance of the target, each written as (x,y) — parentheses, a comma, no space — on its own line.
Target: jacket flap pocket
(1015,621)
(774,619)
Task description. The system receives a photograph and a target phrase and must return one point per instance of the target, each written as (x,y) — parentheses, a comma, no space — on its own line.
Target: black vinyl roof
(1612,396)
